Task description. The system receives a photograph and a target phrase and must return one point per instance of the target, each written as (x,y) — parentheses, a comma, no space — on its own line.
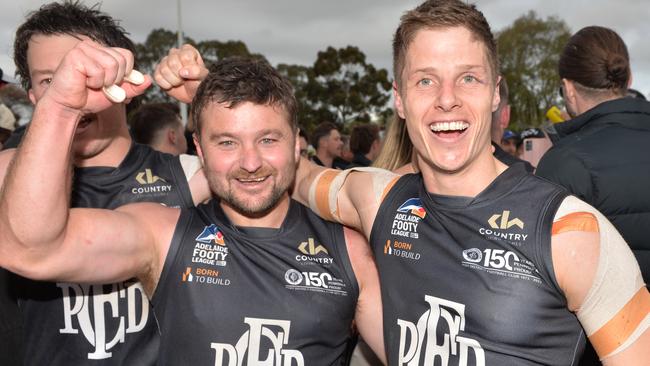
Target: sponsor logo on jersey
(407,218)
(262,344)
(502,227)
(211,234)
(500,262)
(210,247)
(150,184)
(96,311)
(204,275)
(312,253)
(314,281)
(413,206)
(401,249)
(435,339)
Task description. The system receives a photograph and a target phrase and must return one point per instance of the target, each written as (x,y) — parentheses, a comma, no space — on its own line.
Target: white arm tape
(324,190)
(617,279)
(190,164)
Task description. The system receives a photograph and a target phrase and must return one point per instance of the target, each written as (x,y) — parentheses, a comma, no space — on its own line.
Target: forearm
(35,196)
(305,176)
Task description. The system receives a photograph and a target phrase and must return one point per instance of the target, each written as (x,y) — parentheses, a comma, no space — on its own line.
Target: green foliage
(340,87)
(529,51)
(346,86)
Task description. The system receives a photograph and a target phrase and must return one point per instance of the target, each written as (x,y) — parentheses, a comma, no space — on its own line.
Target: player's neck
(111,156)
(468,181)
(271,219)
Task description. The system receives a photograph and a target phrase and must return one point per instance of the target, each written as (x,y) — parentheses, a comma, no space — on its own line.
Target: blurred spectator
(327,142)
(509,142)
(22,108)
(532,144)
(603,154)
(7,123)
(159,126)
(364,144)
(3,79)
(346,153)
(504,141)
(304,144)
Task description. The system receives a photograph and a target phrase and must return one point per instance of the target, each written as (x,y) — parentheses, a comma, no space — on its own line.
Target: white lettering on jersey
(76,303)
(275,331)
(412,336)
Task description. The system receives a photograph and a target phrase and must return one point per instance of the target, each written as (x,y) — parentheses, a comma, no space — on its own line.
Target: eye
(46,81)
(268,140)
(469,79)
(425,82)
(226,143)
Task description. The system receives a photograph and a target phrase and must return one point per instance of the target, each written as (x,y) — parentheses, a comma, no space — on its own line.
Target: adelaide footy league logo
(414,207)
(211,234)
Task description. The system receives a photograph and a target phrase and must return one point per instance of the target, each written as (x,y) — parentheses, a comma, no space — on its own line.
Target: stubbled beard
(246,207)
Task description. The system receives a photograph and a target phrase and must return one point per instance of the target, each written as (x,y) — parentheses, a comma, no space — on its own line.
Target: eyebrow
(42,72)
(468,67)
(268,131)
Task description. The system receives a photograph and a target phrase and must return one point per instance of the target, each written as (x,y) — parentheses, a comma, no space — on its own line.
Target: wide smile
(252,183)
(449,130)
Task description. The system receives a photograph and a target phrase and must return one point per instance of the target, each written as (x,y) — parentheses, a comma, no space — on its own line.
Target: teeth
(449,126)
(252,180)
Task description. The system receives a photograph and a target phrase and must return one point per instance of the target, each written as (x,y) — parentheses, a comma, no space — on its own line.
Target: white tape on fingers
(114,93)
(134,77)
(117,94)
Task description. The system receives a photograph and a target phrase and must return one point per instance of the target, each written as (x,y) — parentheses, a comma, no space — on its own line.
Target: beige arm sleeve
(324,191)
(616,309)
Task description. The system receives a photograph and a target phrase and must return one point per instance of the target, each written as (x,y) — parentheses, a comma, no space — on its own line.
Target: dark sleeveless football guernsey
(469,281)
(112,324)
(255,296)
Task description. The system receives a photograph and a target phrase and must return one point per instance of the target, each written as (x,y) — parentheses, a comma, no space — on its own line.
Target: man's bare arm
(368,317)
(602,283)
(39,236)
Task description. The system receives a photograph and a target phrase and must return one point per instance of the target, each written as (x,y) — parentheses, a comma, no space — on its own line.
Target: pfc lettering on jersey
(88,304)
(424,336)
(247,350)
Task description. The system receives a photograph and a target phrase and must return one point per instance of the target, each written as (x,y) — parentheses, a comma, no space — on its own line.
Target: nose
(251,159)
(447,98)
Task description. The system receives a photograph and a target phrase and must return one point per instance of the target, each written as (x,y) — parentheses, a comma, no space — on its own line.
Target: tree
(343,85)
(160,41)
(529,51)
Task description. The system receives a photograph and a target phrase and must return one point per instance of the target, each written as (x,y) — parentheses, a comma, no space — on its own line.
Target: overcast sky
(293,31)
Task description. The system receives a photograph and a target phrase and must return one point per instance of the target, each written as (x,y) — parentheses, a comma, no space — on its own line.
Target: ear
(505,116)
(569,91)
(31,95)
(496,98)
(296,148)
(399,106)
(171,136)
(199,151)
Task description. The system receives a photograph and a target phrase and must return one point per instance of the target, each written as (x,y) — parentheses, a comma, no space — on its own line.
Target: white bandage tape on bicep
(323,192)
(614,312)
(190,164)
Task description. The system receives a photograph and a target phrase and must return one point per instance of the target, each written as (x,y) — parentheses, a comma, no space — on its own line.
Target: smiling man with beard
(111,323)
(247,278)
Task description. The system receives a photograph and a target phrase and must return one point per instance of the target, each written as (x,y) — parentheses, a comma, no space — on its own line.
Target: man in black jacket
(602,155)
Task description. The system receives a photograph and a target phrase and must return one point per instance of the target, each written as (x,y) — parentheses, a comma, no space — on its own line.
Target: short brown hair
(362,137)
(442,14)
(596,57)
(323,129)
(237,80)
